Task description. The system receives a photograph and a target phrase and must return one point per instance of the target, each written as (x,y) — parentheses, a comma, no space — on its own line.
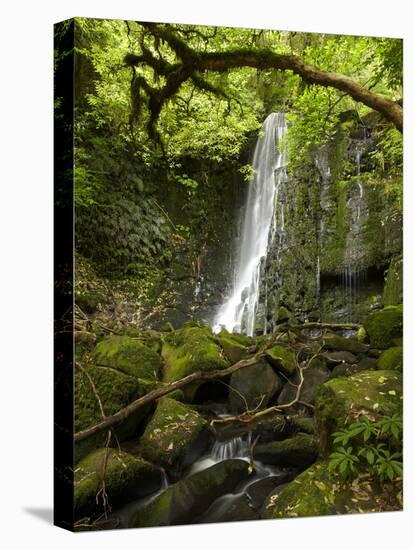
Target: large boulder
(318,492)
(129,356)
(253,387)
(115,390)
(282,359)
(391,359)
(384,327)
(187,499)
(335,342)
(314,377)
(191,349)
(298,451)
(175,436)
(375,393)
(233,350)
(123,476)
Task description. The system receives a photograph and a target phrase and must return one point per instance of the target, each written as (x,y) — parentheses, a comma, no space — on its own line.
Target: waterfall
(353,272)
(238,312)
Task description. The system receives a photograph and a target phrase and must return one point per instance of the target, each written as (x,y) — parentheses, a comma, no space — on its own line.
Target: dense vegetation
(165,121)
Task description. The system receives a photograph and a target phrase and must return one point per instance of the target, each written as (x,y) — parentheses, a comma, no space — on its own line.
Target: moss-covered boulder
(129,356)
(125,477)
(340,400)
(115,390)
(281,359)
(233,350)
(175,436)
(384,326)
(318,492)
(253,387)
(391,359)
(334,358)
(336,342)
(348,370)
(304,424)
(184,501)
(191,349)
(298,451)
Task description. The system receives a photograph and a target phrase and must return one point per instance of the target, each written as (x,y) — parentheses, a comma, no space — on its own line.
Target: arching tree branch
(192,64)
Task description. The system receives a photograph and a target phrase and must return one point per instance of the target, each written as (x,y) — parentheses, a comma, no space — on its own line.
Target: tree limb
(123,414)
(192,61)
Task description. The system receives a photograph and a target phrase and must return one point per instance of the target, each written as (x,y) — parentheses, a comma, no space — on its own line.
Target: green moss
(393,287)
(384,325)
(174,433)
(191,349)
(339,343)
(281,359)
(115,390)
(318,492)
(342,399)
(126,477)
(391,359)
(233,351)
(129,356)
(299,451)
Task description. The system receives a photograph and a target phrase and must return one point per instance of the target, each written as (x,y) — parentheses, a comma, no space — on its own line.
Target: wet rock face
(187,499)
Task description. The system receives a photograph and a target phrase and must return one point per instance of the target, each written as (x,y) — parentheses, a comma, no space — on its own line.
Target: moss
(115,390)
(318,492)
(191,349)
(384,325)
(281,359)
(298,451)
(238,338)
(393,287)
(341,399)
(184,501)
(84,342)
(174,436)
(391,359)
(233,351)
(126,477)
(339,343)
(129,356)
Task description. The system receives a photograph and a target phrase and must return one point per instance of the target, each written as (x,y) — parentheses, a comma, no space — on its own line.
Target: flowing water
(237,314)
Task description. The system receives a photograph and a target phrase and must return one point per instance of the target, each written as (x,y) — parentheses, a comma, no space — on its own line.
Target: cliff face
(333,239)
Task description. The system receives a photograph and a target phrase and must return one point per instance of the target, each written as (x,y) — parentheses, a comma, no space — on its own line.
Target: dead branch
(123,414)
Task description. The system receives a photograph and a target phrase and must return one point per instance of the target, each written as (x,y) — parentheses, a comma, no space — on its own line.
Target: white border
(26,270)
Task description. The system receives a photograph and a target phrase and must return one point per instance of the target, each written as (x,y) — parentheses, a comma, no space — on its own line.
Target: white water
(238,311)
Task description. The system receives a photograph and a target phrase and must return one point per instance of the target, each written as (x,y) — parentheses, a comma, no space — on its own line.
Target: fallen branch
(123,414)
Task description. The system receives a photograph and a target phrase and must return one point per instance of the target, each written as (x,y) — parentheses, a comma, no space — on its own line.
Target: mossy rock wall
(339,236)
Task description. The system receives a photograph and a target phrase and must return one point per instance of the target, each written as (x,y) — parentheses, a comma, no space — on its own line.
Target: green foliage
(376,448)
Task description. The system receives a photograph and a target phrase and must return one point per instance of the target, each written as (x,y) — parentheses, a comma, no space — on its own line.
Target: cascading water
(237,314)
(353,272)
